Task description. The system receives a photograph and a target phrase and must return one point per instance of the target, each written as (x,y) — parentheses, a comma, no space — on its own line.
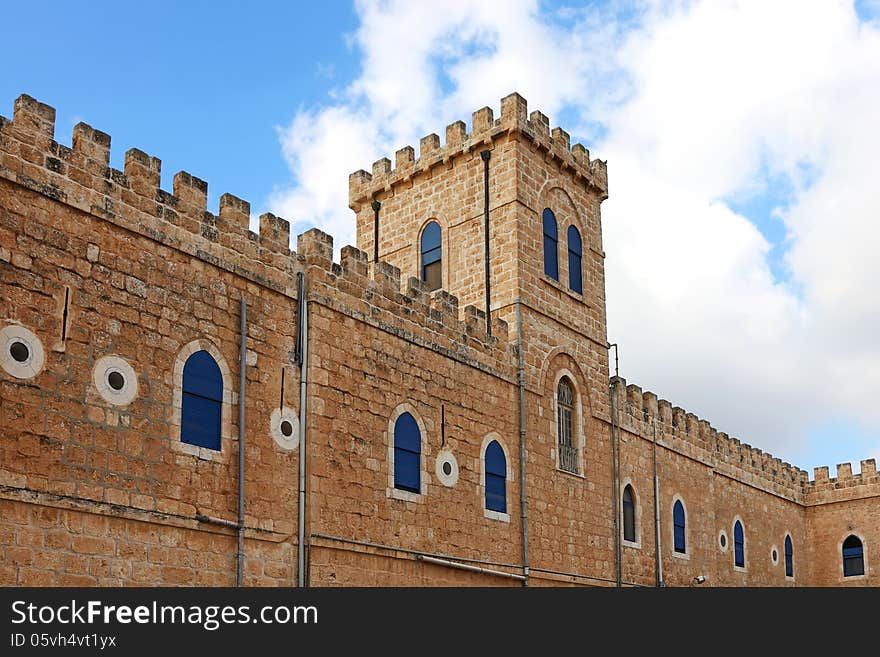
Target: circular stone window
(115,380)
(284,427)
(774,555)
(447,468)
(21,352)
(722,541)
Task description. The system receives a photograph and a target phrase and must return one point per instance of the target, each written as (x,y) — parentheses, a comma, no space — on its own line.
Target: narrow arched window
(789,558)
(853,557)
(202,401)
(678,526)
(432,256)
(407,454)
(551,242)
(496,477)
(575,255)
(568,457)
(739,545)
(629,514)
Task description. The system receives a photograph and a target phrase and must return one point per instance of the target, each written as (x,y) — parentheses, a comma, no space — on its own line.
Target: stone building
(434,409)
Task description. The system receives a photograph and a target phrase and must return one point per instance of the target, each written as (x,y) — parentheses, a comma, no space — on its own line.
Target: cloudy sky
(742,230)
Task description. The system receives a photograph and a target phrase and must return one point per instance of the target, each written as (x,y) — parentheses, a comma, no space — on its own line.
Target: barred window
(568,456)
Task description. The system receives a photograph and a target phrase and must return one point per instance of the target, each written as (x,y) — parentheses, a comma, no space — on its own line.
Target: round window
(115,380)
(722,540)
(21,353)
(446,468)
(284,427)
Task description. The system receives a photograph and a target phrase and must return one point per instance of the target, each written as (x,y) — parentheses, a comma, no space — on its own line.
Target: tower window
(568,456)
(432,256)
(853,557)
(789,558)
(739,545)
(202,401)
(551,243)
(575,274)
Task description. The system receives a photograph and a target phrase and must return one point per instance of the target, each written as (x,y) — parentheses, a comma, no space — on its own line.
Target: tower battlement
(514,119)
(845,486)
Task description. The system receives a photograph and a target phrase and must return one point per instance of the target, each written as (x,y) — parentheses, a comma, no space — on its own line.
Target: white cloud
(699,102)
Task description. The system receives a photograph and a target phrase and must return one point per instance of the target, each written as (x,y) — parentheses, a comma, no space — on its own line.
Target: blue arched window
(853,557)
(496,477)
(789,558)
(202,402)
(432,256)
(739,545)
(551,241)
(678,526)
(407,454)
(575,255)
(629,514)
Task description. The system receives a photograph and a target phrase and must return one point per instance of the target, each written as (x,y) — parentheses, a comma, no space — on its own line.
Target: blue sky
(741,228)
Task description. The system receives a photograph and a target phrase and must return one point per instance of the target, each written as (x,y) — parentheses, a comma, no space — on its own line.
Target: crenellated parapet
(80,176)
(373,292)
(485,128)
(643,414)
(824,489)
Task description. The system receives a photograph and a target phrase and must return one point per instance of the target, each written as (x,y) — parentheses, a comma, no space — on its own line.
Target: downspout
(614,468)
(524,511)
(241,446)
(657,546)
(303,354)
(375,205)
(486,155)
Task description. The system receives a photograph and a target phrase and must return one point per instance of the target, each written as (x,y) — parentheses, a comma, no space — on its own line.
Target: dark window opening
(629,515)
(678,526)
(286,428)
(568,456)
(575,256)
(19,352)
(496,478)
(201,413)
(789,559)
(551,242)
(432,256)
(407,454)
(853,557)
(115,380)
(739,545)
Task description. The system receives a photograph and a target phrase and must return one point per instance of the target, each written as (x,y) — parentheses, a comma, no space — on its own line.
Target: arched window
(568,457)
(678,526)
(853,557)
(407,454)
(789,558)
(496,478)
(432,256)
(551,240)
(202,401)
(739,545)
(575,254)
(629,514)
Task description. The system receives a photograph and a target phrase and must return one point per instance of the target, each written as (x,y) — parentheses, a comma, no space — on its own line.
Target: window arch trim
(737,521)
(636,542)
(577,430)
(677,499)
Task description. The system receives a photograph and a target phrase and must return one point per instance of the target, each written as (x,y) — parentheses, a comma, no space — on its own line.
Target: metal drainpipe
(524,510)
(486,155)
(375,205)
(657,546)
(303,383)
(241,446)
(617,547)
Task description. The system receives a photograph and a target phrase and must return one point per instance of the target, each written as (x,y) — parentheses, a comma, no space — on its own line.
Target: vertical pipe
(303,382)
(486,155)
(241,446)
(657,546)
(524,510)
(617,548)
(375,205)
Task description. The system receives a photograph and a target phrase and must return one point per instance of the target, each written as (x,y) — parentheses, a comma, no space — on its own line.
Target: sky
(741,230)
